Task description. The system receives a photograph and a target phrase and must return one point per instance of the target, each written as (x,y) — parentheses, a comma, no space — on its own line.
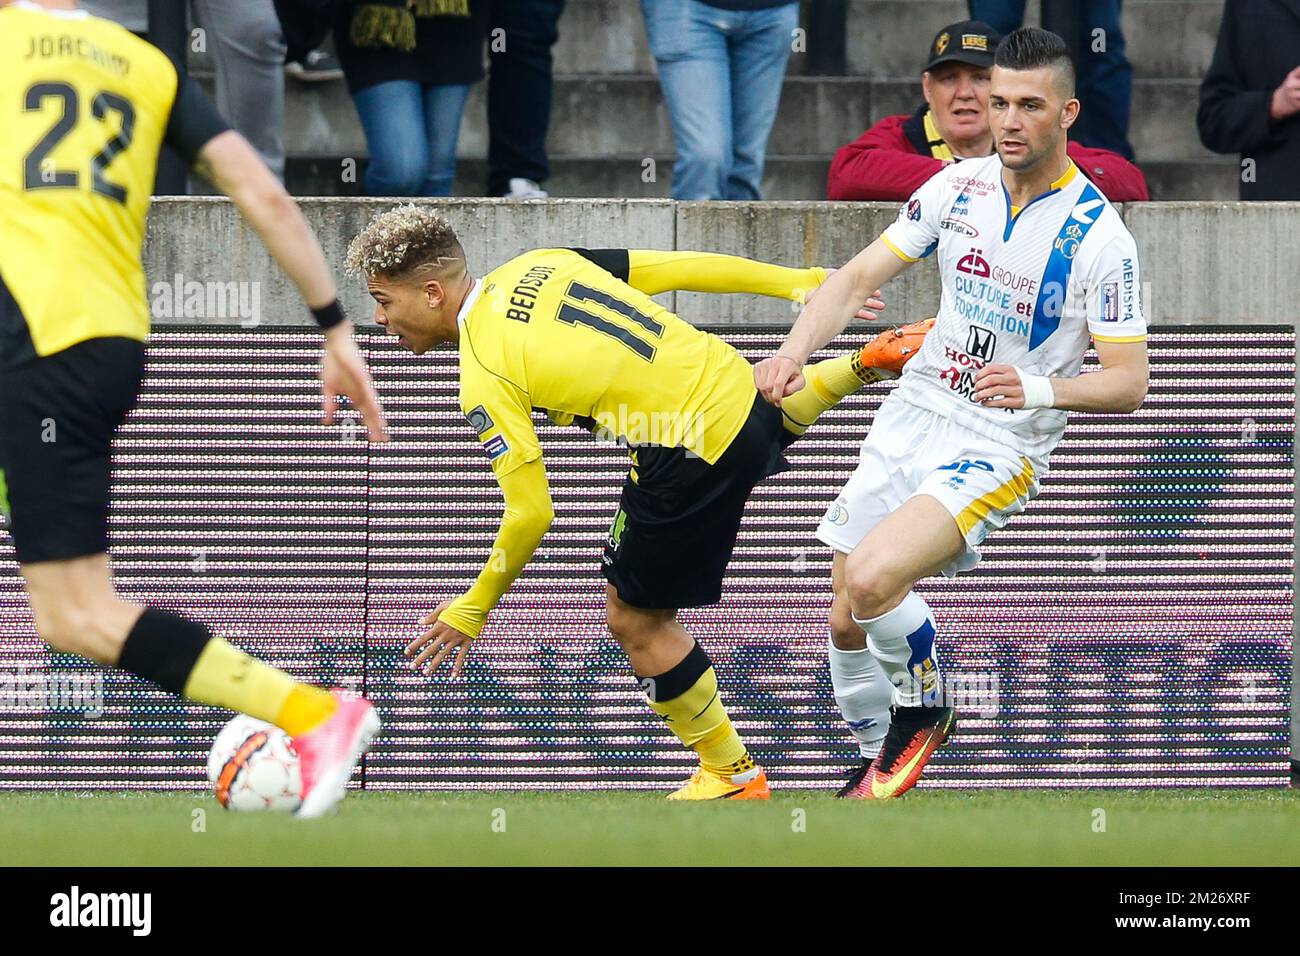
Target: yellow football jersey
(85,106)
(552,330)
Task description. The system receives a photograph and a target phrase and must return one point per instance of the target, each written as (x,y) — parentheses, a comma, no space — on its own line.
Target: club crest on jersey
(974,263)
(1067,243)
(913,210)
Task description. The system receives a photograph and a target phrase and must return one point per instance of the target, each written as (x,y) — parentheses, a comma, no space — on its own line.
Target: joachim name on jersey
(524,295)
(49,47)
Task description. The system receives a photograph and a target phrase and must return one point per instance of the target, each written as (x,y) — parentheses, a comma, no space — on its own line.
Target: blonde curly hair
(403,242)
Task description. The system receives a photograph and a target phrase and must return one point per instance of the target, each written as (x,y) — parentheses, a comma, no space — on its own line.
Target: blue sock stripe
(921,641)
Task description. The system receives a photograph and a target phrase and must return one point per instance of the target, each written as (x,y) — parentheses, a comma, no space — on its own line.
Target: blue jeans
(411,131)
(721,73)
(1105,82)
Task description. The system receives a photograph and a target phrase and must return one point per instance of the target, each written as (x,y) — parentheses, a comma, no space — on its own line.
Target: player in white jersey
(1034,262)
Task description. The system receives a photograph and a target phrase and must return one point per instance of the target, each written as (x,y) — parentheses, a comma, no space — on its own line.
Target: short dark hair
(1030,48)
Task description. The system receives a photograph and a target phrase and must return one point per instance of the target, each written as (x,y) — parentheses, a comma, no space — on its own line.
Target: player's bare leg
(76,610)
(918,539)
(682,688)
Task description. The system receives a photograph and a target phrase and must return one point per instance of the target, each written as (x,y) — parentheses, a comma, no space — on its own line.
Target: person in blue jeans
(409,75)
(721,65)
(1105,79)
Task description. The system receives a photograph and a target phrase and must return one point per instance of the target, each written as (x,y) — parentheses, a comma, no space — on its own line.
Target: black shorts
(56,435)
(676,525)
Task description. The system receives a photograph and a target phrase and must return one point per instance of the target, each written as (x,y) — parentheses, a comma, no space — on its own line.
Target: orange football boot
(889,351)
(707,785)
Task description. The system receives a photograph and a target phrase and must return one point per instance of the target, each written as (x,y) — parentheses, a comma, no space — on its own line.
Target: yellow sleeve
(527,516)
(654,271)
(501,416)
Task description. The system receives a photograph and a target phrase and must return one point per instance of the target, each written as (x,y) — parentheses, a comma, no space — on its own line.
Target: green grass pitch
(928,827)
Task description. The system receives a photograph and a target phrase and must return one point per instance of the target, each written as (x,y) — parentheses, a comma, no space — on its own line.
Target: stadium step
(1166,39)
(608,115)
(610,132)
(884,39)
(787,177)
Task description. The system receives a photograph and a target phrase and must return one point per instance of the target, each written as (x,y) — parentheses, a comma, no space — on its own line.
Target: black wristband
(329,316)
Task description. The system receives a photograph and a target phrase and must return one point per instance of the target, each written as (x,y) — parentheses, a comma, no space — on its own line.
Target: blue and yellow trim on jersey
(1118,339)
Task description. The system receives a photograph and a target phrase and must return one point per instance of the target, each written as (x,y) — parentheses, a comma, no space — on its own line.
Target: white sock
(902,640)
(863,693)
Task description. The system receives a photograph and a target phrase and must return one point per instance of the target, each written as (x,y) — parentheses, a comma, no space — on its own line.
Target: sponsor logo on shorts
(963,465)
(615,539)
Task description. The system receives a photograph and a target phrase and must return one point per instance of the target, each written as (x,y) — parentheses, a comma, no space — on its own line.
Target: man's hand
(869,311)
(1286,98)
(343,372)
(438,642)
(777,377)
(999,386)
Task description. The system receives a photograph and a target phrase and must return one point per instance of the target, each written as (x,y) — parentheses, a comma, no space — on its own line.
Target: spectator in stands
(1250,98)
(1104,81)
(519,96)
(247,47)
(409,73)
(892,159)
(721,66)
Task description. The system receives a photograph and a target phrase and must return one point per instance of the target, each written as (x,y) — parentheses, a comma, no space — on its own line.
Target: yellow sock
(699,719)
(305,709)
(825,385)
(227,677)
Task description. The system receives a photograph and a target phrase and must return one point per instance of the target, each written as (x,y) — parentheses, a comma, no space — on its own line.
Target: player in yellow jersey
(576,333)
(85,107)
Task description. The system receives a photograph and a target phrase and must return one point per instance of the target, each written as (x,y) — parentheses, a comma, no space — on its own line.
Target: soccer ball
(253,766)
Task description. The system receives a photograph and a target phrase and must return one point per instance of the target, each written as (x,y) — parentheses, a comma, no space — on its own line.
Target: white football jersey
(1024,289)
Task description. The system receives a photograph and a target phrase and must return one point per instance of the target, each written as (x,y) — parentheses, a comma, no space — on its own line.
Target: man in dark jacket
(1250,98)
(892,159)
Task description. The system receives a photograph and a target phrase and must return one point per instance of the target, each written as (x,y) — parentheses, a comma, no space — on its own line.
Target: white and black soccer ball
(253,766)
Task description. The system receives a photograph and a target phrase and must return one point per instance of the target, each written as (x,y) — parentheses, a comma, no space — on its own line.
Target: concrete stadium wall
(1213,263)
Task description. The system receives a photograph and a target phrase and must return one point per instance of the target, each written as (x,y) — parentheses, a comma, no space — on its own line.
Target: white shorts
(913,451)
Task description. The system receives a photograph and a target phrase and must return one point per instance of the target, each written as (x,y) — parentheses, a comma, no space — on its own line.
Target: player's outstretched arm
(1120,386)
(233,166)
(654,271)
(454,624)
(826,316)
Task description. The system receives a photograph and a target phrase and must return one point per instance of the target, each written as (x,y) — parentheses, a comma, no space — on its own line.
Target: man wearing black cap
(892,159)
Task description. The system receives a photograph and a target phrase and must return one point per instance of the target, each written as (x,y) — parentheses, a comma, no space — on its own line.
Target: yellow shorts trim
(997,499)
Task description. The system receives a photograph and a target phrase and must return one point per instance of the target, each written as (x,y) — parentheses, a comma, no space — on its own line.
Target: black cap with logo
(970,41)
